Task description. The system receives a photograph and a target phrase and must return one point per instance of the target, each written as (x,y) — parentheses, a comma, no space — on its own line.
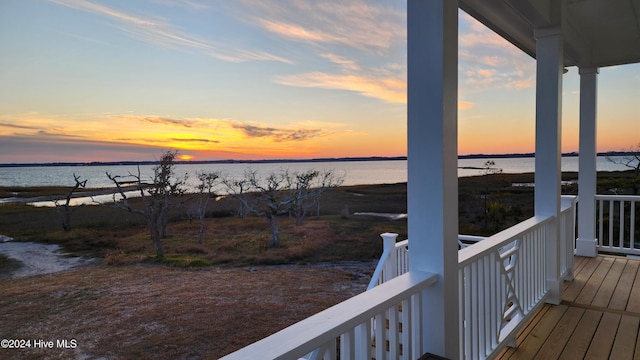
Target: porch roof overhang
(597,33)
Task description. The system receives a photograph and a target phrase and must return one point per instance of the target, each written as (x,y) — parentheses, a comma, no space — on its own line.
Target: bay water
(353,172)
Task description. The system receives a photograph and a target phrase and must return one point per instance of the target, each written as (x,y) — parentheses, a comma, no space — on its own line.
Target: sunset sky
(123,80)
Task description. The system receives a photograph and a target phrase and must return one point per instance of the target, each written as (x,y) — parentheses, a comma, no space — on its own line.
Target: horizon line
(285,160)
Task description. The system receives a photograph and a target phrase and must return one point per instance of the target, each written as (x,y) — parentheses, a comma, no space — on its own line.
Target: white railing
(468,240)
(502,279)
(394,260)
(616,224)
(392,312)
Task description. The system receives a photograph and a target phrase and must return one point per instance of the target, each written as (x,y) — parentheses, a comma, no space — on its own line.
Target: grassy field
(205,300)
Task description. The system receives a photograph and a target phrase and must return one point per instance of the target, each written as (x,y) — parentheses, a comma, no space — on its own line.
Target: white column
(586,242)
(549,55)
(432,49)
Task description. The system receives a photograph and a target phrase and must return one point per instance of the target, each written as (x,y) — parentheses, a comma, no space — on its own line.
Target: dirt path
(37,259)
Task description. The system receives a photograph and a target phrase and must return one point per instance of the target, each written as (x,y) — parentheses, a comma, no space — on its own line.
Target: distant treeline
(231,161)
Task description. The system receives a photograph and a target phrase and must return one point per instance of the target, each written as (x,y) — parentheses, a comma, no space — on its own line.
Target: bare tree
(237,189)
(269,197)
(631,160)
(492,209)
(281,193)
(206,191)
(65,209)
(308,188)
(156,196)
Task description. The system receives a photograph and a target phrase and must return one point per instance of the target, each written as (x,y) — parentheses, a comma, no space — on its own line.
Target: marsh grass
(120,237)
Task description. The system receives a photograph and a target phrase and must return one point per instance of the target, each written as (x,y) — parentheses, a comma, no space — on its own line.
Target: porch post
(432,65)
(586,242)
(549,70)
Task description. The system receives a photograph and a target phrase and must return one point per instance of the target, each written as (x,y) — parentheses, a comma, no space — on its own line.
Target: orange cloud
(299,33)
(389,89)
(465,105)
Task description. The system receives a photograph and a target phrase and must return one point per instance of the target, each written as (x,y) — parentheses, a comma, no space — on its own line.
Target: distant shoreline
(267,161)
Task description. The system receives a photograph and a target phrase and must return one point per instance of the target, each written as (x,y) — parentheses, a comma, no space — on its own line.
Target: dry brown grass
(158,312)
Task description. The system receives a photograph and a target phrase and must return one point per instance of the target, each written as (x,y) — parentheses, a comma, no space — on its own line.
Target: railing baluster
(632,225)
(380,338)
(416,324)
(600,222)
(363,340)
(611,217)
(347,345)
(407,326)
(621,231)
(467,301)
(393,334)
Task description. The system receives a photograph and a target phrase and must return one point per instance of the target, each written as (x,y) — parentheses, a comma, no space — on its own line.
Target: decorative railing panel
(617,230)
(502,279)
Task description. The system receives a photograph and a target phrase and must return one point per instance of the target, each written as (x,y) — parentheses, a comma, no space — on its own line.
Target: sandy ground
(37,259)
(144,311)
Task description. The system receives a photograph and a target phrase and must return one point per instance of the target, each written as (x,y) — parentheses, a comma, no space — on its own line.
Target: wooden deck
(598,318)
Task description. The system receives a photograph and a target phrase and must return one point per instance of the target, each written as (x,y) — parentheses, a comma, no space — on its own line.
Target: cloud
(109,137)
(465,105)
(15,126)
(344,63)
(195,5)
(390,89)
(489,61)
(278,134)
(158,32)
(355,24)
(166,121)
(196,140)
(297,32)
(47,149)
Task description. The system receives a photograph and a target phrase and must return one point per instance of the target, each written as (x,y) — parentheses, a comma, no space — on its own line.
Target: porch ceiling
(597,33)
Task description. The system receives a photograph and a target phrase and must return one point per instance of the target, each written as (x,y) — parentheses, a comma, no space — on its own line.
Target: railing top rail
(618,197)
(315,331)
(377,273)
(471,237)
(567,202)
(500,239)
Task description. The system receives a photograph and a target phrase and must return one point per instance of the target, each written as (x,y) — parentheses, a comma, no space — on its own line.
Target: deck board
(634,298)
(581,338)
(605,292)
(602,341)
(599,317)
(592,286)
(626,337)
(620,296)
(559,337)
(580,279)
(529,348)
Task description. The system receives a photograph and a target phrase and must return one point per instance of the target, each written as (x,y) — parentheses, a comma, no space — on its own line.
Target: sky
(84,81)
